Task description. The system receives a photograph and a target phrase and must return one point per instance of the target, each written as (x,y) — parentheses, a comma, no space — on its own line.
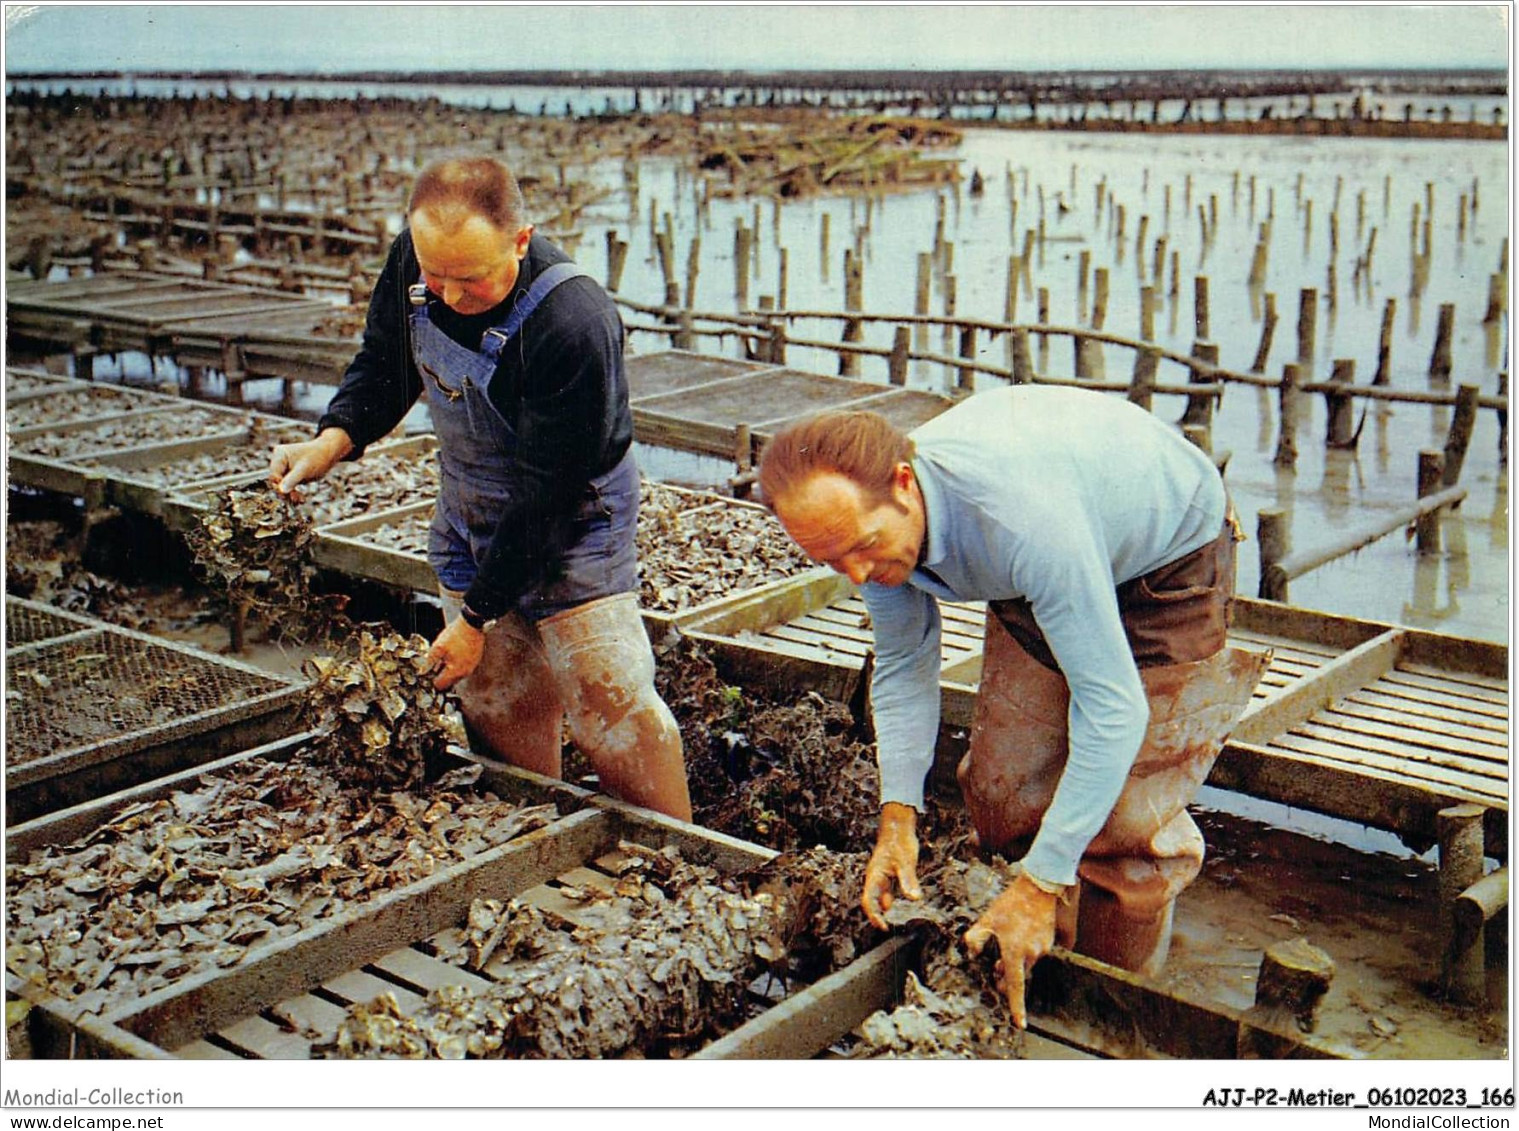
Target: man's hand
(893,864)
(1022,919)
(293,464)
(456,652)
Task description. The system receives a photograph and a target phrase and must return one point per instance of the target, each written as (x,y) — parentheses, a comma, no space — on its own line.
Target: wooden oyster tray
(198,707)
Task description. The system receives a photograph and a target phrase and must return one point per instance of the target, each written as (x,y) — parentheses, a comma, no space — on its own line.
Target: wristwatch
(474,619)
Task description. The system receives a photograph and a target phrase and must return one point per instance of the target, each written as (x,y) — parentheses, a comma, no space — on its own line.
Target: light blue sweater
(1058,495)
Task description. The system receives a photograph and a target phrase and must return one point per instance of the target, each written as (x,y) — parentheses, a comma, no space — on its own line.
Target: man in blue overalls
(519,354)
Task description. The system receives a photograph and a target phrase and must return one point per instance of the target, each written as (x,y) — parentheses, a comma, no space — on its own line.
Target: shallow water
(1378,183)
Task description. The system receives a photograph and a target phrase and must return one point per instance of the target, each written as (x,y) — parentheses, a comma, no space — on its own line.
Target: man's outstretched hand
(1022,920)
(456,653)
(893,863)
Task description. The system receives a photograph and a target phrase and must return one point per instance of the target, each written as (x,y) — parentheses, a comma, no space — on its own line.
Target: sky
(307,38)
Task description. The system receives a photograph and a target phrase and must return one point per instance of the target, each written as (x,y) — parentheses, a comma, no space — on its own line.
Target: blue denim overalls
(477,449)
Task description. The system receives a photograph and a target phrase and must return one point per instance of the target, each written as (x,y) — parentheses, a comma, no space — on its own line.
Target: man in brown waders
(519,356)
(1103,542)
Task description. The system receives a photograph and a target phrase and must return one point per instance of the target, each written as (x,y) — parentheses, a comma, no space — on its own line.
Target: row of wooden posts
(766,338)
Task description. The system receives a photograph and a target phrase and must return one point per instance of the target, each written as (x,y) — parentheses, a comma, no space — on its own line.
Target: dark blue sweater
(560,385)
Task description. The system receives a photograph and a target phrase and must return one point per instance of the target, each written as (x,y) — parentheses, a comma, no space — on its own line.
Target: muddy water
(1209,197)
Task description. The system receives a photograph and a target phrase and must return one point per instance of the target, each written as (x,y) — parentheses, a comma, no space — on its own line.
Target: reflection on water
(1377,229)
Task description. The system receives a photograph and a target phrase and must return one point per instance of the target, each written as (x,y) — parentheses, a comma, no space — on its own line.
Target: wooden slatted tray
(1357,719)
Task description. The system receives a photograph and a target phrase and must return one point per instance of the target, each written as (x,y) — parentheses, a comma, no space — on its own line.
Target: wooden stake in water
(1384,344)
(1340,407)
(1272,539)
(1023,361)
(743,241)
(1199,410)
(1142,381)
(1307,326)
(1440,359)
(1463,962)
(693,269)
(849,363)
(897,364)
(617,256)
(925,275)
(1497,298)
(966,379)
(1258,265)
(1014,270)
(1286,439)
(1268,332)
(1431,475)
(1200,306)
(1463,420)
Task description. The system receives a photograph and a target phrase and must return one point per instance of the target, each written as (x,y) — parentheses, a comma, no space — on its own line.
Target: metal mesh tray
(129,430)
(70,404)
(24,384)
(27,622)
(109,692)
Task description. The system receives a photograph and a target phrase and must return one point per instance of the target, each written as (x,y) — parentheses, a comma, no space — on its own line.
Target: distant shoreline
(1125,85)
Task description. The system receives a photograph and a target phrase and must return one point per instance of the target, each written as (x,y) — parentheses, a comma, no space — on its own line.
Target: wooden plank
(1483,659)
(180,1013)
(593,878)
(830,645)
(204,1050)
(1365,794)
(844,618)
(1395,760)
(1124,1013)
(1453,689)
(315,1018)
(548,898)
(265,1040)
(1296,650)
(768,605)
(360,987)
(1496,684)
(1354,669)
(423,973)
(1305,626)
(1430,696)
(1347,717)
(1423,715)
(359,559)
(697,844)
(808,1022)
